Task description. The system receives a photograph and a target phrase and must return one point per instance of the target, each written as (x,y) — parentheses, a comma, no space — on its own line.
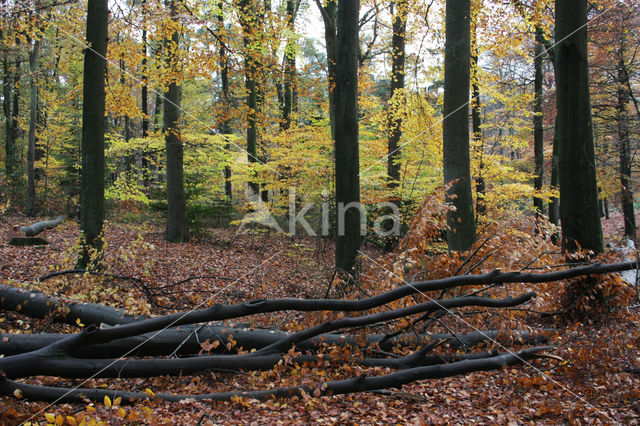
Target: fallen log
(36,228)
(188,341)
(36,304)
(54,359)
(337,387)
(60,357)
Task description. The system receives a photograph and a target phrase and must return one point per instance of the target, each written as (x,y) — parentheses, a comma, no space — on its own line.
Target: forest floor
(587,385)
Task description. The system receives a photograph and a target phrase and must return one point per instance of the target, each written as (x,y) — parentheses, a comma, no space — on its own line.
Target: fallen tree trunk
(37,305)
(337,387)
(63,357)
(36,228)
(54,359)
(188,341)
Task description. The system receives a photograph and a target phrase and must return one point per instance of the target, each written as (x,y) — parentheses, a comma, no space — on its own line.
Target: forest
(319,212)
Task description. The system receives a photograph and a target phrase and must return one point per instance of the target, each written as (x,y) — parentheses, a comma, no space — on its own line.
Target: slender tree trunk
(624,146)
(34,58)
(347,162)
(176,230)
(158,113)
(93,129)
(144,98)
(329,10)
(461,234)
(581,226)
(290,68)
(397,86)
(15,127)
(224,126)
(126,131)
(476,124)
(538,130)
(250,18)
(10,143)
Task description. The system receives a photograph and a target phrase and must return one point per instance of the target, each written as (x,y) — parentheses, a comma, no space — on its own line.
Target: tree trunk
(251,16)
(347,162)
(93,129)
(328,10)
(12,167)
(15,127)
(224,126)
(6,107)
(624,147)
(554,204)
(290,75)
(34,59)
(176,230)
(158,113)
(461,234)
(476,123)
(538,130)
(36,228)
(581,226)
(144,98)
(397,86)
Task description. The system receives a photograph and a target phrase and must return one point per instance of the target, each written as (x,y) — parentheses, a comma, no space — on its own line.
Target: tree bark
(11,158)
(224,126)
(188,340)
(251,17)
(579,218)
(93,129)
(538,130)
(347,161)
(357,384)
(290,75)
(476,123)
(461,234)
(144,98)
(624,147)
(176,230)
(34,59)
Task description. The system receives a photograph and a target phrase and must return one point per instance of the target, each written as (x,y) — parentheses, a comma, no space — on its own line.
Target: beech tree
(251,15)
(399,26)
(34,59)
(581,227)
(10,102)
(176,209)
(93,128)
(476,117)
(538,129)
(455,110)
(347,157)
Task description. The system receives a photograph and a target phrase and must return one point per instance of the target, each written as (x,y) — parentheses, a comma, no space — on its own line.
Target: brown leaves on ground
(586,384)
